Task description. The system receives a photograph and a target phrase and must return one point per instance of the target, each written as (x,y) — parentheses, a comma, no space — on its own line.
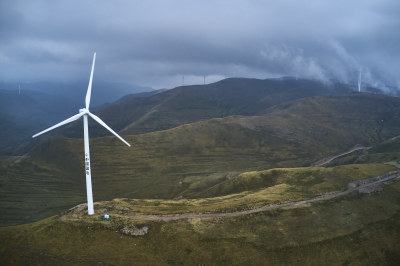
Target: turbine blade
(89,90)
(107,127)
(66,121)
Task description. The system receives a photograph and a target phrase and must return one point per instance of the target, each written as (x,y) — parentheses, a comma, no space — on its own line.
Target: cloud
(155,43)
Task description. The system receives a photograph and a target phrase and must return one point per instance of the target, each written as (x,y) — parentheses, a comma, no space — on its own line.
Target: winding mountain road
(330,159)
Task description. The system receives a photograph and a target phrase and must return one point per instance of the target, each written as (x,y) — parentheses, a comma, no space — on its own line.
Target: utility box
(106,217)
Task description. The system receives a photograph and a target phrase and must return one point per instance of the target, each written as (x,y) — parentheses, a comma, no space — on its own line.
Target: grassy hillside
(354,229)
(313,180)
(190,159)
(251,190)
(220,165)
(32,189)
(353,113)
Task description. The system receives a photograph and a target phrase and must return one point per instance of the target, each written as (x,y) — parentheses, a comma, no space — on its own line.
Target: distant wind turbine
(359,81)
(85,113)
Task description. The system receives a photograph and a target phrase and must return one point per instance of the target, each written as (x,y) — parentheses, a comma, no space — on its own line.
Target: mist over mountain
(27,108)
(142,43)
(22,113)
(104,92)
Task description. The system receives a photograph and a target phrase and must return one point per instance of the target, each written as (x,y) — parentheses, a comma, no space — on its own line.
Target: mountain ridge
(187,104)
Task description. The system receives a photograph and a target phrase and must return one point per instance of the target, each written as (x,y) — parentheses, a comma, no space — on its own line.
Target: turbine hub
(83,110)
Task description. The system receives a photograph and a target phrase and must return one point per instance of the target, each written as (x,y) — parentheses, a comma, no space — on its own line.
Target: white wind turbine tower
(85,113)
(359,81)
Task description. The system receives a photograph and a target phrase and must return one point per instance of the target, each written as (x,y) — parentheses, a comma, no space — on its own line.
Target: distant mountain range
(24,114)
(187,104)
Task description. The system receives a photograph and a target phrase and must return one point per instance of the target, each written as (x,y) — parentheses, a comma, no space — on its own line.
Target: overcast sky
(157,42)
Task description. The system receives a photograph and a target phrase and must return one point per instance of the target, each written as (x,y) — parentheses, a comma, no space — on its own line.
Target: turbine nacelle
(85,111)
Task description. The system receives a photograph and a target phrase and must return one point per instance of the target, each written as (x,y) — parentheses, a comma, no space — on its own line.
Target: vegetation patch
(292,185)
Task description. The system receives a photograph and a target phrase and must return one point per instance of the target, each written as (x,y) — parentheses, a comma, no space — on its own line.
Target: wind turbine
(359,81)
(85,113)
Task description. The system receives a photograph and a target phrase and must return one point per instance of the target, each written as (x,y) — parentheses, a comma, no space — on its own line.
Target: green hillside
(356,229)
(189,160)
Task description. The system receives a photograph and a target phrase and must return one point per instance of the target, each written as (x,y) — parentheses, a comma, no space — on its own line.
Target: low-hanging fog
(165,43)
